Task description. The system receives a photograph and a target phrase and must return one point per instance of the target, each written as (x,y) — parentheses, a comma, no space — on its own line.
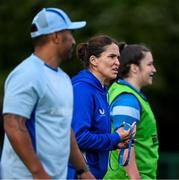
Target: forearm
(131,168)
(20,140)
(76,158)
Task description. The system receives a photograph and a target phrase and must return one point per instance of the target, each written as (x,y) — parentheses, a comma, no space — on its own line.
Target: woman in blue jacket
(91,119)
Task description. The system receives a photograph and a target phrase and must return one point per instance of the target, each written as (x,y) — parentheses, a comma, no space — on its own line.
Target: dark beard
(67,55)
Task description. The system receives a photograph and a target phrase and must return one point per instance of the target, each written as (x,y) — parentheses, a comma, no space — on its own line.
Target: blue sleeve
(82,123)
(125,108)
(20,95)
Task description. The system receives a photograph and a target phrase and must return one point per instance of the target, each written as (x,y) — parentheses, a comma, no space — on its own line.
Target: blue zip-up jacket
(91,122)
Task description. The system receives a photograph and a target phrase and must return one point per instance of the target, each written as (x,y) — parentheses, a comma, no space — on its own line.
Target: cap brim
(77,25)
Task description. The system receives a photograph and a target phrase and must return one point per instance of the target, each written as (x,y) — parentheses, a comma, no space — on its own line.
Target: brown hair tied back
(131,54)
(94,47)
(81,52)
(122,45)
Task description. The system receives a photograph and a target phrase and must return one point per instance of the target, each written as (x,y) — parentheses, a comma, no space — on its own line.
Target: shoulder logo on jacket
(101,111)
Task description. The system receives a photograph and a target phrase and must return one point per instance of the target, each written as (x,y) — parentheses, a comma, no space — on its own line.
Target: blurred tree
(154,23)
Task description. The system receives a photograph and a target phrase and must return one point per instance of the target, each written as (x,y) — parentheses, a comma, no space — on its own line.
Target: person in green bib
(128,104)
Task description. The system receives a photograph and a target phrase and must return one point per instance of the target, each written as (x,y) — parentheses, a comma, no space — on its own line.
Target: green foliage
(154,23)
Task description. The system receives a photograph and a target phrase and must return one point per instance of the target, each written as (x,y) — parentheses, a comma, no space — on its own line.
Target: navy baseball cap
(50,20)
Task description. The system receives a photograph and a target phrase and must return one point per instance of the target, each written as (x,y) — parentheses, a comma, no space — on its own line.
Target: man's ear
(93,60)
(56,37)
